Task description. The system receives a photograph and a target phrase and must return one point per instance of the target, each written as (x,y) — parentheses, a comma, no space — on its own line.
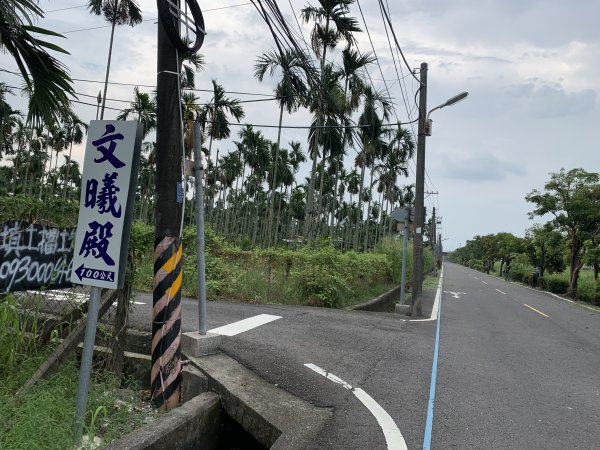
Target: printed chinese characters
(102,196)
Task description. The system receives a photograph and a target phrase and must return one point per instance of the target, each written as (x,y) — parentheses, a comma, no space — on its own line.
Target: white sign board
(400,214)
(107,194)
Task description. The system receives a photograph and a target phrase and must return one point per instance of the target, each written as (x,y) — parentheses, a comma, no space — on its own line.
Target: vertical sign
(106,206)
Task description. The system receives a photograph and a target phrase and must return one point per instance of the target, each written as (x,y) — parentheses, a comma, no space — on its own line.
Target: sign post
(105,213)
(403,215)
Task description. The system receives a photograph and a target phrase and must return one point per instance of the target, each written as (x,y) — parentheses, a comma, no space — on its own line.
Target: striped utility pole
(166,313)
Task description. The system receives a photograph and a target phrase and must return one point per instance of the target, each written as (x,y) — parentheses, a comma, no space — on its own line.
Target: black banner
(34,256)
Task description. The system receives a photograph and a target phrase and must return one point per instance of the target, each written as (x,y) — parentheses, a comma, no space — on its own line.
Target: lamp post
(424,130)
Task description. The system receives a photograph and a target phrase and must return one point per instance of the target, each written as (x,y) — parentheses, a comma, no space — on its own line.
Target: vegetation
(44,416)
(569,241)
(317,276)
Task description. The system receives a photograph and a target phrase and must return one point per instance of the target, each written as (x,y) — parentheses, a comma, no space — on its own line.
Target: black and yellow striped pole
(166,314)
(166,323)
(179,31)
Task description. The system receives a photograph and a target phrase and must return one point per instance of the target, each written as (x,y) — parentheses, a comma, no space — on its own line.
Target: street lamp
(99,99)
(424,131)
(450,101)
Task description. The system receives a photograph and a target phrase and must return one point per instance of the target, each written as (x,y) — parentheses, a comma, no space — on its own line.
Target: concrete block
(193,382)
(194,345)
(402,309)
(195,424)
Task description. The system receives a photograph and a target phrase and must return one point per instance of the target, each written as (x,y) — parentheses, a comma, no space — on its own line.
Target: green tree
(47,80)
(372,135)
(76,130)
(573,199)
(546,248)
(143,109)
(291,91)
(116,12)
(332,24)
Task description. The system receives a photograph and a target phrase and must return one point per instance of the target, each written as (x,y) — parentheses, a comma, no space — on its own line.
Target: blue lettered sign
(107,193)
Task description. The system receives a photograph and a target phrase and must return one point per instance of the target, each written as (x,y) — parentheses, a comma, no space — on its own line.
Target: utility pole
(432,239)
(417,282)
(166,314)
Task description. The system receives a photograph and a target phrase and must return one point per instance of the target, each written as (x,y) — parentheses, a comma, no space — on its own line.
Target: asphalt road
(508,376)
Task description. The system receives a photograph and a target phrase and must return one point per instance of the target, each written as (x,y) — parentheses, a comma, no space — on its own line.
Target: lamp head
(456,98)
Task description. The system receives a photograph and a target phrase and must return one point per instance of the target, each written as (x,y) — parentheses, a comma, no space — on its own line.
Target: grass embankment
(316,276)
(43,417)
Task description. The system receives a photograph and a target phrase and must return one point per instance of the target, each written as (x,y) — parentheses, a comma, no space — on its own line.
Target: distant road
(517,368)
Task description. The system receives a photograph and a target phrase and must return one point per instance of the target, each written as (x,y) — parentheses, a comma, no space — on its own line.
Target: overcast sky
(531,68)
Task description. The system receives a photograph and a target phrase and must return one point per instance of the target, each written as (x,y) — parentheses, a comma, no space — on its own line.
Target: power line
(396,40)
(145,20)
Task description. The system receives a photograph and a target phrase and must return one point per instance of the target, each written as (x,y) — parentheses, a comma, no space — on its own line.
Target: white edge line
(393,436)
(438,296)
(244,325)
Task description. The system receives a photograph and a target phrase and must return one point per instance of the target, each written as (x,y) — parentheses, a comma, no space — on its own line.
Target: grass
(307,276)
(43,418)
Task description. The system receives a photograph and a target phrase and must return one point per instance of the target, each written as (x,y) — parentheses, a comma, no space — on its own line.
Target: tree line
(569,240)
(253,191)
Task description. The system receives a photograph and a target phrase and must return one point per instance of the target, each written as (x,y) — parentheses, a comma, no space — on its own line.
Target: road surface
(515,368)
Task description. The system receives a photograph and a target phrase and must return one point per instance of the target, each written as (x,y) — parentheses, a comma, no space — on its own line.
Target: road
(516,368)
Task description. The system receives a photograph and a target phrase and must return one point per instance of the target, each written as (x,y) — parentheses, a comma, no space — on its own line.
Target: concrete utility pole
(432,239)
(166,315)
(417,281)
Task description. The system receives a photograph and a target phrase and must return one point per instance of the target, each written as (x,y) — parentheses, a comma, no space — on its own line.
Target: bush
(392,249)
(322,280)
(557,285)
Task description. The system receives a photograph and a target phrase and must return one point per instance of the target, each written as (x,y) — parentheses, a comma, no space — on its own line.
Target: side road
(378,361)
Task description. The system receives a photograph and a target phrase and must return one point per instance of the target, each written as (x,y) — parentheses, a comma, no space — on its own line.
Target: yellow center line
(501,291)
(533,309)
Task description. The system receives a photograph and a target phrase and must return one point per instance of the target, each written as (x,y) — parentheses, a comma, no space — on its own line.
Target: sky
(530,67)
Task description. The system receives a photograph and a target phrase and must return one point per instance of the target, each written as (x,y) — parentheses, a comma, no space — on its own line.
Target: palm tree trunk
(214,190)
(308,225)
(110,46)
(67,175)
(271,194)
(366,241)
(359,211)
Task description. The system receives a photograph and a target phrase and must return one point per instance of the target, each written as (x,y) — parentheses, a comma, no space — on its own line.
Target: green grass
(307,276)
(43,418)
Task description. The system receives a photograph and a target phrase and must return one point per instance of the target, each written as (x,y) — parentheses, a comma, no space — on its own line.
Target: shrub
(321,280)
(556,285)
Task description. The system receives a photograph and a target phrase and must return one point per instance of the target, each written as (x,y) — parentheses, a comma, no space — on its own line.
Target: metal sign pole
(86,362)
(404,249)
(200,228)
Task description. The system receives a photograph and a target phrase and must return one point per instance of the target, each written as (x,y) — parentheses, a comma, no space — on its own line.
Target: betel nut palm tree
(47,80)
(116,12)
(291,92)
(143,109)
(214,117)
(331,25)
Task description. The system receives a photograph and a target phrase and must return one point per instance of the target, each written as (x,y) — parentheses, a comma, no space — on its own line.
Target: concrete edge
(195,423)
(275,418)
(380,303)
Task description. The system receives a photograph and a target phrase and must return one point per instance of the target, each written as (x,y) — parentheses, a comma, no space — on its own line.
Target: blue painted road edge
(429,420)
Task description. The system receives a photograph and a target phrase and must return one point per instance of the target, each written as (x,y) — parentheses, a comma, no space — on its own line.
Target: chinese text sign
(34,256)
(107,193)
